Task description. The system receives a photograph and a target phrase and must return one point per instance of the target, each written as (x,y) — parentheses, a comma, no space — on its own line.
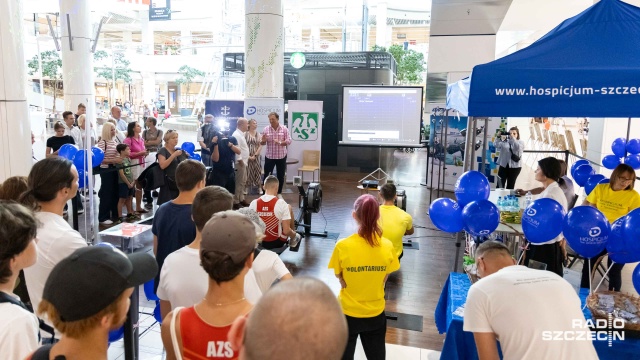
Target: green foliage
(119,71)
(51,68)
(410,63)
(187,75)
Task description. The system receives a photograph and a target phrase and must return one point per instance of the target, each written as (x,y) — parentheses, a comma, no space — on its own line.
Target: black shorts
(274,244)
(124,192)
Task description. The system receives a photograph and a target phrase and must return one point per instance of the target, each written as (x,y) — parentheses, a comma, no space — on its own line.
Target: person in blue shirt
(173,226)
(223,156)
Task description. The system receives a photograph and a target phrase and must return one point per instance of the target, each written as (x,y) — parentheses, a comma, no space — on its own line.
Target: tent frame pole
(484,146)
(446,131)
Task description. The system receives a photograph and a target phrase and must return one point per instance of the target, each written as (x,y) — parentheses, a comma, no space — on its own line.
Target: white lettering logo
(224,110)
(531,212)
(219,349)
(594,231)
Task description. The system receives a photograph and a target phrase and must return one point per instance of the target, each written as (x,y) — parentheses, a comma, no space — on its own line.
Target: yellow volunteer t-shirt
(394,223)
(614,204)
(363,268)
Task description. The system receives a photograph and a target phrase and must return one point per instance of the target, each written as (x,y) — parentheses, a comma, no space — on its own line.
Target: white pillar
(381,24)
(77,64)
(264,49)
(127,37)
(147,32)
(15,126)
(148,86)
(185,42)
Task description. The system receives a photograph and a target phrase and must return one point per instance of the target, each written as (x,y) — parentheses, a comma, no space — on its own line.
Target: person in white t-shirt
(52,182)
(19,327)
(277,215)
(183,282)
(550,252)
(267,265)
(521,307)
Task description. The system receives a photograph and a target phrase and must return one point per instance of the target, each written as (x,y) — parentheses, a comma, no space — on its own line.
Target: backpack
(6,298)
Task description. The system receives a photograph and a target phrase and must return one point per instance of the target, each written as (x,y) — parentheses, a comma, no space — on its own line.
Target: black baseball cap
(92,278)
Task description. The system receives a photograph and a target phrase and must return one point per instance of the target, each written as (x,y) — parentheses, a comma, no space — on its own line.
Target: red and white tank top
(203,341)
(266,211)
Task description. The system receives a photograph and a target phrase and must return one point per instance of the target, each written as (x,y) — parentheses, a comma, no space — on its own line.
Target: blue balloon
(446,215)
(635,277)
(97,156)
(188,147)
(79,160)
(68,151)
(610,162)
(604,181)
(472,186)
(621,248)
(619,147)
(106,244)
(587,230)
(582,174)
(196,157)
(542,220)
(115,335)
(633,161)
(578,163)
(481,217)
(633,146)
(83,179)
(592,182)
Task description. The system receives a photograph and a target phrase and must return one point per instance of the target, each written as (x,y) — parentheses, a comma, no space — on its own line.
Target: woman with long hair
(51,183)
(362,262)
(55,142)
(108,193)
(550,253)
(510,160)
(13,187)
(254,168)
(615,200)
(168,159)
(138,155)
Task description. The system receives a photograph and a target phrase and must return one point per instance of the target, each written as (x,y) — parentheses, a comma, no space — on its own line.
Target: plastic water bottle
(528,199)
(500,203)
(515,205)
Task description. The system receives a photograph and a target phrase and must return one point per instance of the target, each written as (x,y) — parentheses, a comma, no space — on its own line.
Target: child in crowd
(125,184)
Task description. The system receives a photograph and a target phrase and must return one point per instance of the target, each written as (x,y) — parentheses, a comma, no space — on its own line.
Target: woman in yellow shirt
(614,200)
(362,262)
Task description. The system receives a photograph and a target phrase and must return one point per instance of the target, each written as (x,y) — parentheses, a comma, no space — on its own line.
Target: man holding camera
(223,155)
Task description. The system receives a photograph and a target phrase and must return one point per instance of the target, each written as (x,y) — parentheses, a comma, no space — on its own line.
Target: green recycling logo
(305,126)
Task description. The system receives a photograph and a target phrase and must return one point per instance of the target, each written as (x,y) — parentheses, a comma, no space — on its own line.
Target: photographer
(510,160)
(223,155)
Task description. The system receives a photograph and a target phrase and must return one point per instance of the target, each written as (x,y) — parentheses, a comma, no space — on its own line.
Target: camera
(504,133)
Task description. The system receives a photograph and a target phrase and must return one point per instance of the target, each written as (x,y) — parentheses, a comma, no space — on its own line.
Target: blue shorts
(124,192)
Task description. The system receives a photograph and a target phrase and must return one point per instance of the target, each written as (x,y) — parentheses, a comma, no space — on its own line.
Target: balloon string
(590,291)
(604,276)
(524,250)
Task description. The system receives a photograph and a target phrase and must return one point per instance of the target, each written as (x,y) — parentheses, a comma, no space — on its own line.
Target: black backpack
(6,298)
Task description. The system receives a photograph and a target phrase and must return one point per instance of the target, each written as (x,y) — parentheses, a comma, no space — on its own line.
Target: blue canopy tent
(589,66)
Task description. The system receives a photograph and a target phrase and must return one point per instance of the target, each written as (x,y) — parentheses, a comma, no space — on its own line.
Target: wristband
(215,144)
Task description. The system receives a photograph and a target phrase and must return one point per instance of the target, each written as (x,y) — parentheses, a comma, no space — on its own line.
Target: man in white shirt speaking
(242,160)
(523,309)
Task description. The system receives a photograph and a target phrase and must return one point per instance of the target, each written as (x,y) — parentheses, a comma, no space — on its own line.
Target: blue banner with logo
(160,10)
(226,112)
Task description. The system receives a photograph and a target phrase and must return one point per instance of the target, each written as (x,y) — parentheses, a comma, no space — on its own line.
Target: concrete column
(314,39)
(381,24)
(264,49)
(77,64)
(15,126)
(148,87)
(147,32)
(185,42)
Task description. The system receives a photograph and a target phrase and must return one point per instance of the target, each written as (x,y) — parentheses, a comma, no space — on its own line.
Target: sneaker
(107,222)
(244,203)
(245,191)
(148,205)
(80,211)
(293,243)
(65,213)
(154,194)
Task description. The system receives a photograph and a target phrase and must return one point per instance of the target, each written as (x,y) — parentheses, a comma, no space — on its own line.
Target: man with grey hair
(116,114)
(319,328)
(242,160)
(512,302)
(204,136)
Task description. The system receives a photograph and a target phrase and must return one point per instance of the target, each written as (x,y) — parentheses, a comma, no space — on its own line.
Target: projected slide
(381,116)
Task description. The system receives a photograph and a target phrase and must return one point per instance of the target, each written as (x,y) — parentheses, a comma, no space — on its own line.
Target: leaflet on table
(126,230)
